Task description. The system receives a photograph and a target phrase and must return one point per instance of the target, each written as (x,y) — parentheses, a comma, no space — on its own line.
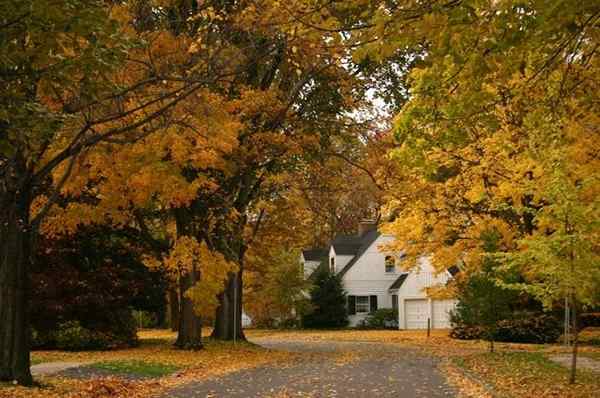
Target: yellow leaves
(214,272)
(189,256)
(476,193)
(184,255)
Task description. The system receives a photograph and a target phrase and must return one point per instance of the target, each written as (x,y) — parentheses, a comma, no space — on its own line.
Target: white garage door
(416,313)
(441,313)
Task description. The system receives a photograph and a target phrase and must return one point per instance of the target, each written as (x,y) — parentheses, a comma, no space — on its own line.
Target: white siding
(340,261)
(367,277)
(421,277)
(310,267)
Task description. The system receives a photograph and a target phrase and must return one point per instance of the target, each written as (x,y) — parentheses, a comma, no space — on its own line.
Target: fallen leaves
(218,358)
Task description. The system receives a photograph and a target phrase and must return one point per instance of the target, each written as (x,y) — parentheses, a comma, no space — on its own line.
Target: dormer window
(332,264)
(390,264)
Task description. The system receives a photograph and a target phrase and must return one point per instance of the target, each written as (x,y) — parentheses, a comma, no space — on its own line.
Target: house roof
(316,254)
(364,242)
(347,245)
(453,270)
(398,282)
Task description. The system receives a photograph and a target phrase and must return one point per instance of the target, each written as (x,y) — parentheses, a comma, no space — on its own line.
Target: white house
(373,280)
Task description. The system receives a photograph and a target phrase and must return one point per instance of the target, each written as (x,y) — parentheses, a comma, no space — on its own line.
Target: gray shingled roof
(316,254)
(453,270)
(347,245)
(398,282)
(364,242)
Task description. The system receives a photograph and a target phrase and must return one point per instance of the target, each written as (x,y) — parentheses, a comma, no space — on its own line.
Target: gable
(367,241)
(368,266)
(420,278)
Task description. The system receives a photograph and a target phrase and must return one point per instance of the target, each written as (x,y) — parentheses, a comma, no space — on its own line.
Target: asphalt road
(330,369)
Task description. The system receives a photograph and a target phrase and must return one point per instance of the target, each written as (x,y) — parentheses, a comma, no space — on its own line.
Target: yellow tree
(70,81)
(292,94)
(496,85)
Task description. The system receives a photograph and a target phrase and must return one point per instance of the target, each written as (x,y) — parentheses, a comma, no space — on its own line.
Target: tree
(277,295)
(482,301)
(95,277)
(561,257)
(503,97)
(328,299)
(73,80)
(201,274)
(293,96)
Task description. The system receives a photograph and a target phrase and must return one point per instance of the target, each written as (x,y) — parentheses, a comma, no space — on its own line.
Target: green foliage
(71,336)
(145,319)
(66,46)
(529,328)
(278,297)
(562,255)
(383,318)
(482,302)
(328,298)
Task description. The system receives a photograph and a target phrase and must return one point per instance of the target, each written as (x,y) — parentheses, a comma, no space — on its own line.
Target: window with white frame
(332,264)
(390,264)
(362,304)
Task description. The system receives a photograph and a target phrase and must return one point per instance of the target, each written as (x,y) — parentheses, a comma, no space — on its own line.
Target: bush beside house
(383,318)
(328,300)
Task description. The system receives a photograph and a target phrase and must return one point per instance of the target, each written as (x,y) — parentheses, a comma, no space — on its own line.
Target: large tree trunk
(173,309)
(228,317)
(15,257)
(189,334)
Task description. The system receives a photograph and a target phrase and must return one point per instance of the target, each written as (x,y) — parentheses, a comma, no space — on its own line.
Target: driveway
(330,369)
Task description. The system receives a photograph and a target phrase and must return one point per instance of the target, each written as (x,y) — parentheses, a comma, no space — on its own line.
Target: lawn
(136,368)
(528,374)
(516,370)
(155,357)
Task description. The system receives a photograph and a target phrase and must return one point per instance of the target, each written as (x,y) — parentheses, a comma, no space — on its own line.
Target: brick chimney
(365,226)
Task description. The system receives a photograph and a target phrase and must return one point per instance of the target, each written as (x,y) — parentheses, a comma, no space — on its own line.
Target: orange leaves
(187,255)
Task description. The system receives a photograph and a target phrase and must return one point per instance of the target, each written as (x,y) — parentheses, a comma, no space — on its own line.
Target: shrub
(41,339)
(383,318)
(467,332)
(529,328)
(525,327)
(96,279)
(590,319)
(73,337)
(328,300)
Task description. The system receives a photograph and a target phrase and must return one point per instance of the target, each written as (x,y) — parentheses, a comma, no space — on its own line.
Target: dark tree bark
(173,309)
(189,334)
(228,316)
(15,256)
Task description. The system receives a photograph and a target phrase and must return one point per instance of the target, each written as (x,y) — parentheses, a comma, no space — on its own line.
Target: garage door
(441,313)
(416,313)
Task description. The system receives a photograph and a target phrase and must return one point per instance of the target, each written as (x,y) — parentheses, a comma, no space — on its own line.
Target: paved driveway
(330,369)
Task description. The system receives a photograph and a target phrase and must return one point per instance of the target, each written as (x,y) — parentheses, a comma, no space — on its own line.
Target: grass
(155,358)
(528,375)
(137,368)
(517,370)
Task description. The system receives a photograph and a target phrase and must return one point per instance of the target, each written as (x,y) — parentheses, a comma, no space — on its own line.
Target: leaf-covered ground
(154,355)
(516,370)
